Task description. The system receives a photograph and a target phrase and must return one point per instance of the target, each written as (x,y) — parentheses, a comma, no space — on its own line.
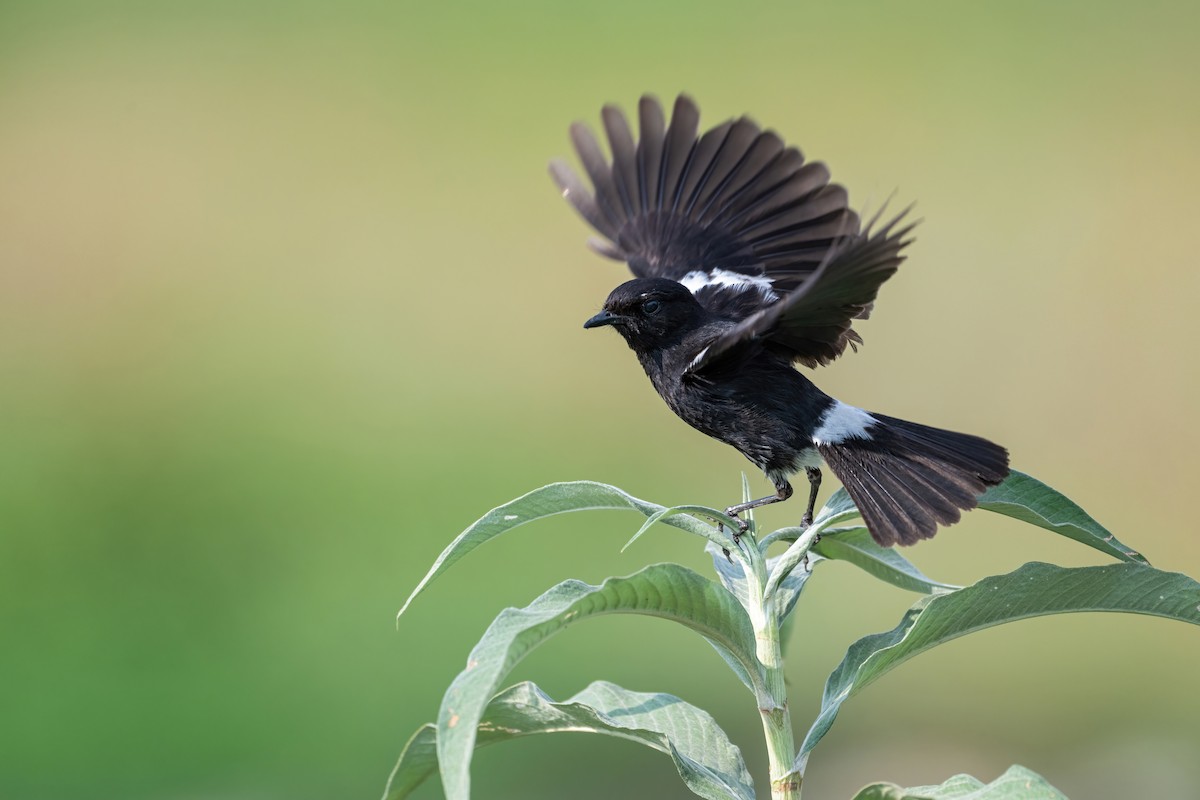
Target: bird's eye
(651,306)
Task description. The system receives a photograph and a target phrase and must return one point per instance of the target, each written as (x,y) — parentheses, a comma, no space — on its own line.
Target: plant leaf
(787,591)
(731,573)
(855,545)
(418,760)
(557,498)
(1017,783)
(800,550)
(733,577)
(708,762)
(715,535)
(1029,500)
(1019,496)
(663,590)
(1033,590)
(736,665)
(837,510)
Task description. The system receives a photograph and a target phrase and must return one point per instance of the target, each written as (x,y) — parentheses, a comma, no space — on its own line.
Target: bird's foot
(806,520)
(804,561)
(742,525)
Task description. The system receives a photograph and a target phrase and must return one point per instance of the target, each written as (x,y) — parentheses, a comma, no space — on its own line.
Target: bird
(748,262)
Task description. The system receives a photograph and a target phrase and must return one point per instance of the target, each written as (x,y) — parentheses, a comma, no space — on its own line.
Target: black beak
(603,318)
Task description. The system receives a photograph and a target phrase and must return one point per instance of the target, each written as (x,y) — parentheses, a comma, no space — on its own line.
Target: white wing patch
(841,422)
(698,279)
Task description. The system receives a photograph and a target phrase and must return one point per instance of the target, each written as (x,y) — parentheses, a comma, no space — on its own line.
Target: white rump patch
(841,422)
(698,279)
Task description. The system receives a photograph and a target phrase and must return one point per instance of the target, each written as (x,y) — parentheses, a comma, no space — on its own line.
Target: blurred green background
(287,300)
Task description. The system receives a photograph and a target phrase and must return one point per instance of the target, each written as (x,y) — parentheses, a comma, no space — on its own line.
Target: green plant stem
(777,721)
(773,707)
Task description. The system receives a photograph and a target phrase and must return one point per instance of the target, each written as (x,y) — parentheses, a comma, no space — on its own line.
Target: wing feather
(577,194)
(700,166)
(677,150)
(601,174)
(624,166)
(766,149)
(772,188)
(735,200)
(725,166)
(812,323)
(649,151)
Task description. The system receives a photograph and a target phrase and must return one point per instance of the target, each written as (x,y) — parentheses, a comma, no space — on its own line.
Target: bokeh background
(287,300)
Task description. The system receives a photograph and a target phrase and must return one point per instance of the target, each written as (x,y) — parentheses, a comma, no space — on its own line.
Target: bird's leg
(783,490)
(814,484)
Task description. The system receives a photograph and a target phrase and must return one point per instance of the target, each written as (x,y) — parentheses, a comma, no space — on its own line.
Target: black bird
(748,261)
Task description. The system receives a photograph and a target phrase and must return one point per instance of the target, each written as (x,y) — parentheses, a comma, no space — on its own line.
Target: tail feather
(907,479)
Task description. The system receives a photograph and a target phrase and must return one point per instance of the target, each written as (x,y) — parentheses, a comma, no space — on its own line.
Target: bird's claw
(804,561)
(742,525)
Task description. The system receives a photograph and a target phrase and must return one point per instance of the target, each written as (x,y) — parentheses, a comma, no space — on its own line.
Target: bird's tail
(907,479)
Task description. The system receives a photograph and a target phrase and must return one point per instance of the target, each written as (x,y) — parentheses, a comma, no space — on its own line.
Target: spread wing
(812,324)
(734,208)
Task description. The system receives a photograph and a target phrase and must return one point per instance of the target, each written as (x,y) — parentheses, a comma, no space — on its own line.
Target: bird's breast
(766,412)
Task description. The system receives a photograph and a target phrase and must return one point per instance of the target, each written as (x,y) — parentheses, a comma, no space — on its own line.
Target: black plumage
(747,262)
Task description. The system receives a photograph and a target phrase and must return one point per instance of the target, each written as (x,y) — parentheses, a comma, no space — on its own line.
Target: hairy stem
(773,708)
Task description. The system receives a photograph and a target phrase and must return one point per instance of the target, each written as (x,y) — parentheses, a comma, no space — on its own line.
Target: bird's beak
(603,318)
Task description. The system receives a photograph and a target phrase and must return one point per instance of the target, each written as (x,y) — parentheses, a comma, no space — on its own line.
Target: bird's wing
(812,324)
(732,209)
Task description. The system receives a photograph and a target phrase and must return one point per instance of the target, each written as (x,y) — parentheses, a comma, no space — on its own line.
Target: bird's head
(650,313)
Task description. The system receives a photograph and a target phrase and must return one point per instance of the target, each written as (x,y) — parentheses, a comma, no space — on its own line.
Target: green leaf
(418,760)
(557,498)
(708,762)
(732,574)
(1017,783)
(855,545)
(783,568)
(787,591)
(1019,496)
(1029,500)
(1033,590)
(733,577)
(837,510)
(735,664)
(662,590)
(715,535)
(800,551)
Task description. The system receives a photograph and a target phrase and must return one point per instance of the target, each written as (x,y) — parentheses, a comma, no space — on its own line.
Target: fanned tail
(907,479)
